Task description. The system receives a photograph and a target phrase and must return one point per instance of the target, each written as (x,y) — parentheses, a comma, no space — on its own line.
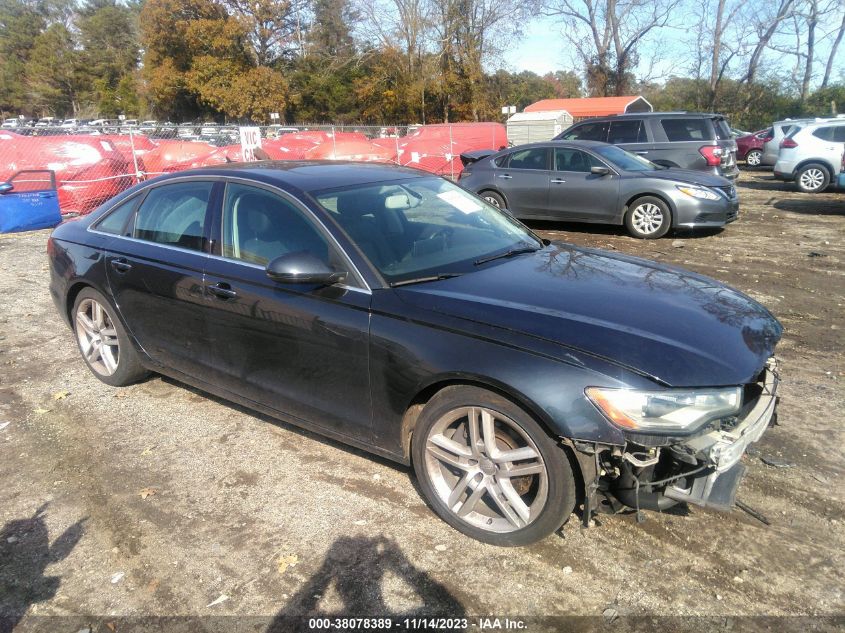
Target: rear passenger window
(687,129)
(626,132)
(534,158)
(174,215)
(116,219)
(588,132)
(824,133)
(839,134)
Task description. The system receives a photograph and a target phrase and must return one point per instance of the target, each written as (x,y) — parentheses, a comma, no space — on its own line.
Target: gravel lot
(158,500)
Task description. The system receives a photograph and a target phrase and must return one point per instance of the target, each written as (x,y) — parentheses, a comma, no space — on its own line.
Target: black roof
(310,175)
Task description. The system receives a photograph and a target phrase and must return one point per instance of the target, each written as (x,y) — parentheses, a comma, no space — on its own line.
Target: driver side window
(259,226)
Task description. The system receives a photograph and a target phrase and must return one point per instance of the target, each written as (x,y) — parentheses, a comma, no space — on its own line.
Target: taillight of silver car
(713,155)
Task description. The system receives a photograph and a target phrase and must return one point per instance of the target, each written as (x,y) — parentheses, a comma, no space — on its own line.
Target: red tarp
(89,169)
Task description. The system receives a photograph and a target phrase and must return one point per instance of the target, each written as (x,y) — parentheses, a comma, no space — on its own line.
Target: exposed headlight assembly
(698,192)
(665,410)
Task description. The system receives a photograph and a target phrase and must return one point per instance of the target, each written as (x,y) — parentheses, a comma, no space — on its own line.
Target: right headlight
(665,410)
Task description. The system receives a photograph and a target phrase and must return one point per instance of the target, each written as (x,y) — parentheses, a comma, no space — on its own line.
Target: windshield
(624,160)
(423,227)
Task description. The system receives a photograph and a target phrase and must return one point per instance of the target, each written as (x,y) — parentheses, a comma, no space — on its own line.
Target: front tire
(103,342)
(489,470)
(648,218)
(812,178)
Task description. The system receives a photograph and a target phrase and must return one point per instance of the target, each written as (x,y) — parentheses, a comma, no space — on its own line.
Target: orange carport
(593,106)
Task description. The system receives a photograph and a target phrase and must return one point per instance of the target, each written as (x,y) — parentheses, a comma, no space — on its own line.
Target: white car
(69,124)
(811,154)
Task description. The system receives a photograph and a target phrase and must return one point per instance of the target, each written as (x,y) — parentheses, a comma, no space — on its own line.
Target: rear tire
(754,158)
(489,470)
(648,218)
(812,178)
(494,198)
(103,342)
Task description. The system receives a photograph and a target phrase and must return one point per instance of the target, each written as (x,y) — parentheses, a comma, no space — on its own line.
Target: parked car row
(649,172)
(803,151)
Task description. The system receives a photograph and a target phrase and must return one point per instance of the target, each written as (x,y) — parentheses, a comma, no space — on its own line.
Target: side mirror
(6,187)
(599,171)
(303,268)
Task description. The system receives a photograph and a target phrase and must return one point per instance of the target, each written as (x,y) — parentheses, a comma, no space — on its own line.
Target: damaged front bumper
(706,469)
(722,450)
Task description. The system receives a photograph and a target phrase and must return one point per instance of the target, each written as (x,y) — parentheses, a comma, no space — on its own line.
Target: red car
(750,147)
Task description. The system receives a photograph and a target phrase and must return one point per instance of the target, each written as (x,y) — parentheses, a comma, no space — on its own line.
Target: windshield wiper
(508,253)
(419,280)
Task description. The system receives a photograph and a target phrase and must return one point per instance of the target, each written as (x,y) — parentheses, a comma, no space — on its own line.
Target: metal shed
(532,127)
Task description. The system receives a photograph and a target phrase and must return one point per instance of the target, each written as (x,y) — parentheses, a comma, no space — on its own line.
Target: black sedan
(393,310)
(588,181)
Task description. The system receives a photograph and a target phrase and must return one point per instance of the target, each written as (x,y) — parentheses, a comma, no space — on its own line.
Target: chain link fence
(91,164)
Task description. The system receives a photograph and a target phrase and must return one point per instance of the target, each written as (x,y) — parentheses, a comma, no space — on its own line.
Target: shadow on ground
(361,576)
(813,206)
(25,552)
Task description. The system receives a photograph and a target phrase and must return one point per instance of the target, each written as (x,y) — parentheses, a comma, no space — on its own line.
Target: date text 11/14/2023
(421,623)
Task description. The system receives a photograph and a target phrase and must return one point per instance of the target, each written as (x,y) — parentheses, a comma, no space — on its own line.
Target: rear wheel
(494,198)
(102,341)
(812,178)
(489,470)
(754,158)
(648,218)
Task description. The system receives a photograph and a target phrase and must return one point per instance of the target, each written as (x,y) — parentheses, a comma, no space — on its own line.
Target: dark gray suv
(688,140)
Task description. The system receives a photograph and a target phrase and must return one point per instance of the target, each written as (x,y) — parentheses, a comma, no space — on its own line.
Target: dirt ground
(157,500)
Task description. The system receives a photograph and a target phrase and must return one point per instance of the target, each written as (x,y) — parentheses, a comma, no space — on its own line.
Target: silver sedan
(585,181)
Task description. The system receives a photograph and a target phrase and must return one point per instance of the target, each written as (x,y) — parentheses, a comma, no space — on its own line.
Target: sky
(542,48)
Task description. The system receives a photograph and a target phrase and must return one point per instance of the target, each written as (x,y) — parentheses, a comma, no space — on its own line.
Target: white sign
(250,141)
(121,117)
(508,109)
(274,115)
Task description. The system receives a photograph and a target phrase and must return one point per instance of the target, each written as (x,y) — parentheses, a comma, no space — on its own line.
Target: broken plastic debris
(222,598)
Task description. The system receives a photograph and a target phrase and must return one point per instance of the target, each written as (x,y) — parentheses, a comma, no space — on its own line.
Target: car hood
(689,176)
(679,328)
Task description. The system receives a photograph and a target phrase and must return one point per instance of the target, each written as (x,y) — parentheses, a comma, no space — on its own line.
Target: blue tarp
(29,210)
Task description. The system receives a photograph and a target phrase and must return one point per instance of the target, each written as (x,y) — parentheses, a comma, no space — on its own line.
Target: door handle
(222,290)
(505,176)
(121,265)
(557,181)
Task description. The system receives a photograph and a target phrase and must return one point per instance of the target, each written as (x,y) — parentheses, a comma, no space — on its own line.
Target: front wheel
(489,470)
(812,178)
(754,158)
(648,218)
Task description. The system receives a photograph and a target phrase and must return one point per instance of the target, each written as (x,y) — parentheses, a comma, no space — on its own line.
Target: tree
(608,36)
(20,24)
(835,47)
(54,83)
(108,36)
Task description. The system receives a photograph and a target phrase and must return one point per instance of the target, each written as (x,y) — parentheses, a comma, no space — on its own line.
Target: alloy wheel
(492,200)
(647,218)
(753,159)
(486,469)
(97,337)
(812,179)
